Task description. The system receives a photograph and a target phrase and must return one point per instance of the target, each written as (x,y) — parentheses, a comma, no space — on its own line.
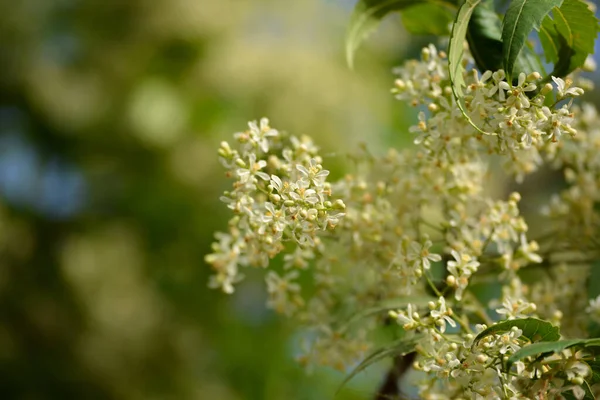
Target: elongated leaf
(546,348)
(521,18)
(550,40)
(485,42)
(533,329)
(455,56)
(578,26)
(368,14)
(456,48)
(400,347)
(484,36)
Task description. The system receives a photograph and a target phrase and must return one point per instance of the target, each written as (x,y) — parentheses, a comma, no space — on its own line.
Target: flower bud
(432,107)
(339,205)
(547,88)
(576,380)
(400,84)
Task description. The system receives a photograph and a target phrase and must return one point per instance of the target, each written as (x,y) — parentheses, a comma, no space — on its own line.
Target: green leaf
(455,48)
(368,14)
(550,40)
(455,56)
(569,38)
(521,18)
(484,36)
(485,42)
(578,28)
(400,347)
(533,329)
(427,19)
(547,348)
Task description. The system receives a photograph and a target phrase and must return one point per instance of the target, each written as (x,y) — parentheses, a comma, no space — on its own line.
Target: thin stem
(432,285)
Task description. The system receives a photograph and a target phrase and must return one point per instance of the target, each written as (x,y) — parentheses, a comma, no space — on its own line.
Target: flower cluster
(419,238)
(518,122)
(279,194)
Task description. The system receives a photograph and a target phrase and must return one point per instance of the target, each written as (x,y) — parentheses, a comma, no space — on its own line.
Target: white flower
(517,97)
(593,309)
(515,308)
(261,134)
(509,341)
(420,254)
(283,292)
(461,269)
(409,319)
(564,88)
(314,174)
(252,168)
(499,85)
(528,250)
(441,315)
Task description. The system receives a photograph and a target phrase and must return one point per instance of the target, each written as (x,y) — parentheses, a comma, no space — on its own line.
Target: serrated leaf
(578,27)
(521,18)
(427,19)
(368,14)
(485,42)
(546,348)
(400,347)
(536,330)
(576,23)
(550,40)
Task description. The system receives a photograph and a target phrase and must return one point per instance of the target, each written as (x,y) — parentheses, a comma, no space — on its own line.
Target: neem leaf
(427,19)
(400,347)
(484,36)
(455,56)
(550,40)
(521,18)
(578,28)
(485,42)
(368,14)
(533,329)
(546,348)
(456,50)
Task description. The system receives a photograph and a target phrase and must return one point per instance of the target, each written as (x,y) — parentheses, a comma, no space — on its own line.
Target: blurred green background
(110,116)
